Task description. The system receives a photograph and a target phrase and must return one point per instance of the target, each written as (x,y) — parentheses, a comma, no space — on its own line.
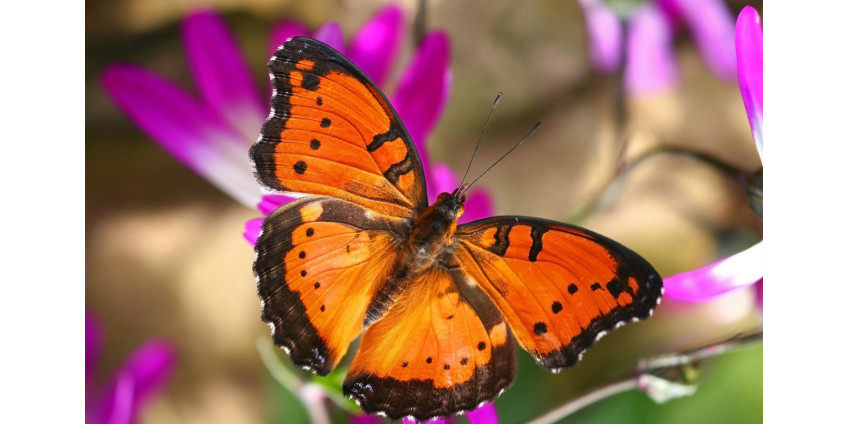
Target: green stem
(311,395)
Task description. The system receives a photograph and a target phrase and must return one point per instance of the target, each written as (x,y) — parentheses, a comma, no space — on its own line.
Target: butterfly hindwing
(332,132)
(319,262)
(443,348)
(559,287)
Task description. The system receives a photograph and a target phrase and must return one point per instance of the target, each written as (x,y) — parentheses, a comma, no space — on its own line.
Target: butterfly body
(442,307)
(432,232)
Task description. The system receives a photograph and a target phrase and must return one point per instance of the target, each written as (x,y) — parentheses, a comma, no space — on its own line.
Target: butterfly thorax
(433,230)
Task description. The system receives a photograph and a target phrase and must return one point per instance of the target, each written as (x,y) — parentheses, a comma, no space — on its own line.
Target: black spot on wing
(540,328)
(615,288)
(556,307)
(310,81)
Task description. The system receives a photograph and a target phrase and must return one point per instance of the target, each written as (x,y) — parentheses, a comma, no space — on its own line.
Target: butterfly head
(451,205)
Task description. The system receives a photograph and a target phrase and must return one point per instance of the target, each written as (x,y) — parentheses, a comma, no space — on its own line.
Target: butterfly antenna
(486,125)
(535,128)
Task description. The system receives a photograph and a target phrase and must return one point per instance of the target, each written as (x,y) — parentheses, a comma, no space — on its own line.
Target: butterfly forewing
(559,287)
(332,132)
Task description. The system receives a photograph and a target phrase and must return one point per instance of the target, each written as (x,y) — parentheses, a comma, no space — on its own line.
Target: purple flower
(745,268)
(749,56)
(142,375)
(702,284)
(486,414)
(643,34)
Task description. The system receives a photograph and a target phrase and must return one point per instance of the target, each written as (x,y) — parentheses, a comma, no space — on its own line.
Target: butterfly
(442,306)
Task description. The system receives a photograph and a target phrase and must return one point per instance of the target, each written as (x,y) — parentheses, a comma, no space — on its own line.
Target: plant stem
(311,395)
(654,365)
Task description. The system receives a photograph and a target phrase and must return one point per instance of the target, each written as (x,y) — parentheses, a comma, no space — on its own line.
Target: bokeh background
(165,257)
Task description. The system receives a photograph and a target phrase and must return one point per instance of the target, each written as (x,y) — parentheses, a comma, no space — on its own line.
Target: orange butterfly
(442,305)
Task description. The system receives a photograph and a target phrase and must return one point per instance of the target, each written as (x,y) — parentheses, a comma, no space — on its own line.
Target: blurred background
(165,256)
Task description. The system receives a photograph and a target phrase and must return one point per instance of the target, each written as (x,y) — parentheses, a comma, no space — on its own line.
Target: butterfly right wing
(559,287)
(319,263)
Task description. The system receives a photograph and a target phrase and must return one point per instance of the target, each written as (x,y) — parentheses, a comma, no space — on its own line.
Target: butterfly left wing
(559,287)
(442,349)
(332,132)
(319,264)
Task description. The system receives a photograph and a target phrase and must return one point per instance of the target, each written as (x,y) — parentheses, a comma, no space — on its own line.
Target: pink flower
(142,376)
(746,267)
(642,36)
(749,57)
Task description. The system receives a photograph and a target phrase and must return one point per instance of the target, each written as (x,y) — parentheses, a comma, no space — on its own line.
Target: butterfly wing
(319,263)
(443,348)
(332,132)
(559,287)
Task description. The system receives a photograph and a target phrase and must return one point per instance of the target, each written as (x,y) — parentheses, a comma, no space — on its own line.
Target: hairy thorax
(431,240)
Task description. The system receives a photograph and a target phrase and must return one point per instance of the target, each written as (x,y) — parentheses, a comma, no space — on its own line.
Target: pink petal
(365,419)
(711,25)
(188,130)
(270,202)
(749,55)
(440,179)
(478,206)
(252,229)
(282,32)
(279,35)
(737,271)
(93,348)
(375,46)
(151,366)
(222,74)
(650,66)
(331,34)
(119,407)
(435,421)
(424,88)
(486,414)
(142,376)
(603,30)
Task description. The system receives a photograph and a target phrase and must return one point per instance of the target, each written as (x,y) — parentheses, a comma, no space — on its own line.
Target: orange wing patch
(319,262)
(332,133)
(441,349)
(560,288)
